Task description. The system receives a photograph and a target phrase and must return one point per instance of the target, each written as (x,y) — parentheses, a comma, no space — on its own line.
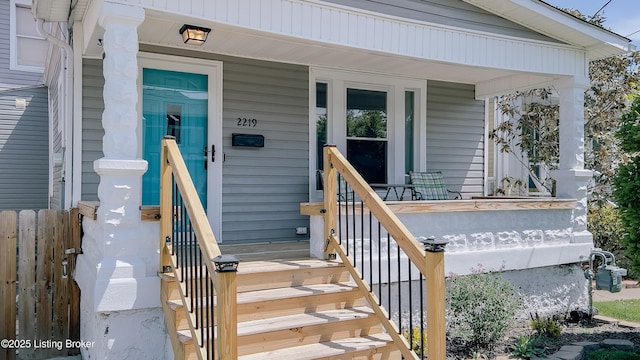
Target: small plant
(546,326)
(479,355)
(480,309)
(526,347)
(414,338)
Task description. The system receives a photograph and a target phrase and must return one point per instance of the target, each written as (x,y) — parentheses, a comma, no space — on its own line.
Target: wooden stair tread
(294,321)
(284,265)
(294,292)
(281,293)
(302,320)
(324,349)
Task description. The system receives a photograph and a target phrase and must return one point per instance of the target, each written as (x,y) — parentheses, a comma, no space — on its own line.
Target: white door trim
(213,69)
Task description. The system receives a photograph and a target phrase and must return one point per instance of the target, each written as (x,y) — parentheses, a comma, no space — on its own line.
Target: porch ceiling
(242,42)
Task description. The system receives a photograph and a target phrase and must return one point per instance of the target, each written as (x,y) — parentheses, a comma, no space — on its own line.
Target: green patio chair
(430,186)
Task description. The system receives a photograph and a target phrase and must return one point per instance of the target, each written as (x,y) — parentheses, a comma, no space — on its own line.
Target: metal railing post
(435,300)
(226,294)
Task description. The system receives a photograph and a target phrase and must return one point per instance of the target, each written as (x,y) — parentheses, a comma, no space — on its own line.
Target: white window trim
(13,39)
(337,83)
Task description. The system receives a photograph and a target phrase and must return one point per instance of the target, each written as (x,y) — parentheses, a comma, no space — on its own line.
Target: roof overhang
(542,17)
(52,10)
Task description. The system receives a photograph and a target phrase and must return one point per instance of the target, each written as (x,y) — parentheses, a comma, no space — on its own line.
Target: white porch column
(571,177)
(120,303)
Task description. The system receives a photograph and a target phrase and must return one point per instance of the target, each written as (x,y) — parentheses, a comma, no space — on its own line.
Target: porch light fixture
(194,35)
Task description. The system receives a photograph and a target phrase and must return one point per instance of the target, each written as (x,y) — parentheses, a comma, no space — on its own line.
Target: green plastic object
(609,278)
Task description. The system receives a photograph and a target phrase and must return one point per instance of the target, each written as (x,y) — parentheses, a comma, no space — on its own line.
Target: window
(376,121)
(367,133)
(27,48)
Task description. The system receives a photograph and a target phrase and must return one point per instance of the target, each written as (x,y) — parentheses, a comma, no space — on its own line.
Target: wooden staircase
(291,309)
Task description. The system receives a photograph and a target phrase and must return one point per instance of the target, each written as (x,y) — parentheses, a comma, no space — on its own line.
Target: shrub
(606,226)
(546,326)
(480,309)
(419,346)
(627,182)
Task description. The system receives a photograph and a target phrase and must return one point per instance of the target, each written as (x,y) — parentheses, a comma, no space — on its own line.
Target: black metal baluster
(399,288)
(379,262)
(370,253)
(422,319)
(389,273)
(410,304)
(362,238)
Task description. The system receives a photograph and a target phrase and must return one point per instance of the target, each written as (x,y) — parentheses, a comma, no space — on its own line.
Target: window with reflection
(367,133)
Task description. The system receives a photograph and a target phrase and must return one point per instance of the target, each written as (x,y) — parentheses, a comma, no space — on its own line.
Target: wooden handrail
(429,263)
(385,216)
(199,220)
(173,168)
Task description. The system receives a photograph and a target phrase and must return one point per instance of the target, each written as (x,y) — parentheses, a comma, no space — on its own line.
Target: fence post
(330,199)
(435,301)
(226,293)
(8,221)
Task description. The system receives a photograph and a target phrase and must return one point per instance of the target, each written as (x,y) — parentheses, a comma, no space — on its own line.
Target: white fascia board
(363,30)
(546,19)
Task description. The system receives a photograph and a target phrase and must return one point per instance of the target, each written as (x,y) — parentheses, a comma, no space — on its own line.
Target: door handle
(213,155)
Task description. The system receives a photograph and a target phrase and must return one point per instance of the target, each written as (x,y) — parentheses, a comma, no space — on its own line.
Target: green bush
(480,309)
(608,232)
(627,183)
(546,326)
(416,342)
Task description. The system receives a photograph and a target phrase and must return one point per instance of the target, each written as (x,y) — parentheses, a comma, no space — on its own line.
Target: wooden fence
(37,258)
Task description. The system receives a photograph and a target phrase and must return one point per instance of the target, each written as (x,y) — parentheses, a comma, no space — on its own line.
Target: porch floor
(286,250)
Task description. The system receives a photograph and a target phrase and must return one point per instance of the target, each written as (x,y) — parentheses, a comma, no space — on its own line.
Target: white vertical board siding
(92,131)
(446,12)
(336,24)
(455,136)
(263,187)
(24,149)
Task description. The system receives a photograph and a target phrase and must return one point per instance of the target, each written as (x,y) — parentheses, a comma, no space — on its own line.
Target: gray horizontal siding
(446,12)
(455,136)
(10,79)
(263,188)
(24,149)
(92,131)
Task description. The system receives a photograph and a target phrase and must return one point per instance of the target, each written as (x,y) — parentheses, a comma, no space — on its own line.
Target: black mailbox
(247,140)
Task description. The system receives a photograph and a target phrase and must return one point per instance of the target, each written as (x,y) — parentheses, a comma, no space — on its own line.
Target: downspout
(68,108)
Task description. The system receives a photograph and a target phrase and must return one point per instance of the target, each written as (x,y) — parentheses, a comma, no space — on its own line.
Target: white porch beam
(511,84)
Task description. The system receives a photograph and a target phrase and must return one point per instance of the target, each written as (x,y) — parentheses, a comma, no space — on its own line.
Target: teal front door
(174,103)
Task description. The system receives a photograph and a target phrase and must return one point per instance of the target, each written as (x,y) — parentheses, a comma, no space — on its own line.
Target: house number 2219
(247,122)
